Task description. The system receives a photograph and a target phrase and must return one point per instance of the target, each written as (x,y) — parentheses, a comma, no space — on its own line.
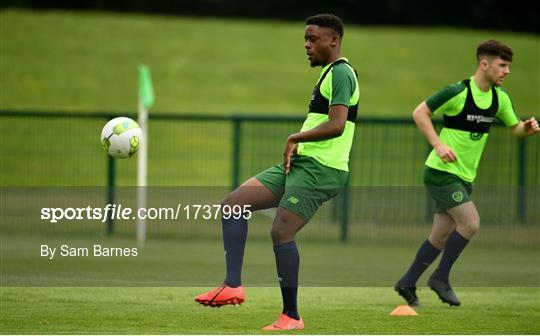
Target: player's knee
(227,201)
(279,235)
(474,225)
(281,232)
(438,241)
(470,227)
(232,199)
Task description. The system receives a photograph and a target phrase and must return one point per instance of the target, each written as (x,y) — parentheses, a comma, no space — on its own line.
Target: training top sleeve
(343,85)
(447,101)
(506,113)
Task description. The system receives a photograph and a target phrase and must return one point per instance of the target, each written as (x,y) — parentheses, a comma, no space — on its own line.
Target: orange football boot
(286,323)
(221,296)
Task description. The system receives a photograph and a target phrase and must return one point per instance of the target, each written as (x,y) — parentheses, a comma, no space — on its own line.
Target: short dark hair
(327,21)
(494,48)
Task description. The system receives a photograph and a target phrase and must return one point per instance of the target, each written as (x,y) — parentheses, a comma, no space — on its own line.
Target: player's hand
(445,153)
(530,126)
(290,149)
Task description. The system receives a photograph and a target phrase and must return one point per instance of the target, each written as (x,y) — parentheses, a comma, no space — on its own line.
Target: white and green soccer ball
(121,137)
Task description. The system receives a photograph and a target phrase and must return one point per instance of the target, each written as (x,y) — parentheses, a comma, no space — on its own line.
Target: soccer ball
(121,137)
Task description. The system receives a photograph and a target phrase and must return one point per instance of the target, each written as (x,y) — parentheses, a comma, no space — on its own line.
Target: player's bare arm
(332,128)
(526,128)
(422,117)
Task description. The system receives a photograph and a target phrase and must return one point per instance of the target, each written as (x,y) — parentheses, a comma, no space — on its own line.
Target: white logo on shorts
(457,196)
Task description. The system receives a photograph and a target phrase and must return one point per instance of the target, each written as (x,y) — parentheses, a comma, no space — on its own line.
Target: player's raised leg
(257,196)
(284,229)
(443,225)
(467,224)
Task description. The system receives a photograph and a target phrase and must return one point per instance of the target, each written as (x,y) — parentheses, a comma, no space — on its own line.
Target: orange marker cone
(403,310)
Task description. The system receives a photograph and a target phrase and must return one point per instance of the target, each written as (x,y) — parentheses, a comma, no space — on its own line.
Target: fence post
(111,182)
(522,193)
(345,219)
(235,169)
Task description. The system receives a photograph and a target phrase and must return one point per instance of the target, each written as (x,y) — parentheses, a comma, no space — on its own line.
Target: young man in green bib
(314,169)
(469,107)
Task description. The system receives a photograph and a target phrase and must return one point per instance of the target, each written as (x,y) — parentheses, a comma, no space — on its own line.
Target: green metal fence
(385,189)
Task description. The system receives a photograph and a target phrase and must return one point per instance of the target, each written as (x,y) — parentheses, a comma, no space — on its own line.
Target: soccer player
(469,107)
(314,169)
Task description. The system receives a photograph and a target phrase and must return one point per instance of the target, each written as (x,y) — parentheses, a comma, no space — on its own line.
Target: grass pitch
(324,310)
(88,61)
(350,309)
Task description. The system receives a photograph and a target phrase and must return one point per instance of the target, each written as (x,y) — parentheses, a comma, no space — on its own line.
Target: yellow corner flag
(146,92)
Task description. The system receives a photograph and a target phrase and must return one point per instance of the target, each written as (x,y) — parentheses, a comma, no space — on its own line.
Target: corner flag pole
(146,100)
